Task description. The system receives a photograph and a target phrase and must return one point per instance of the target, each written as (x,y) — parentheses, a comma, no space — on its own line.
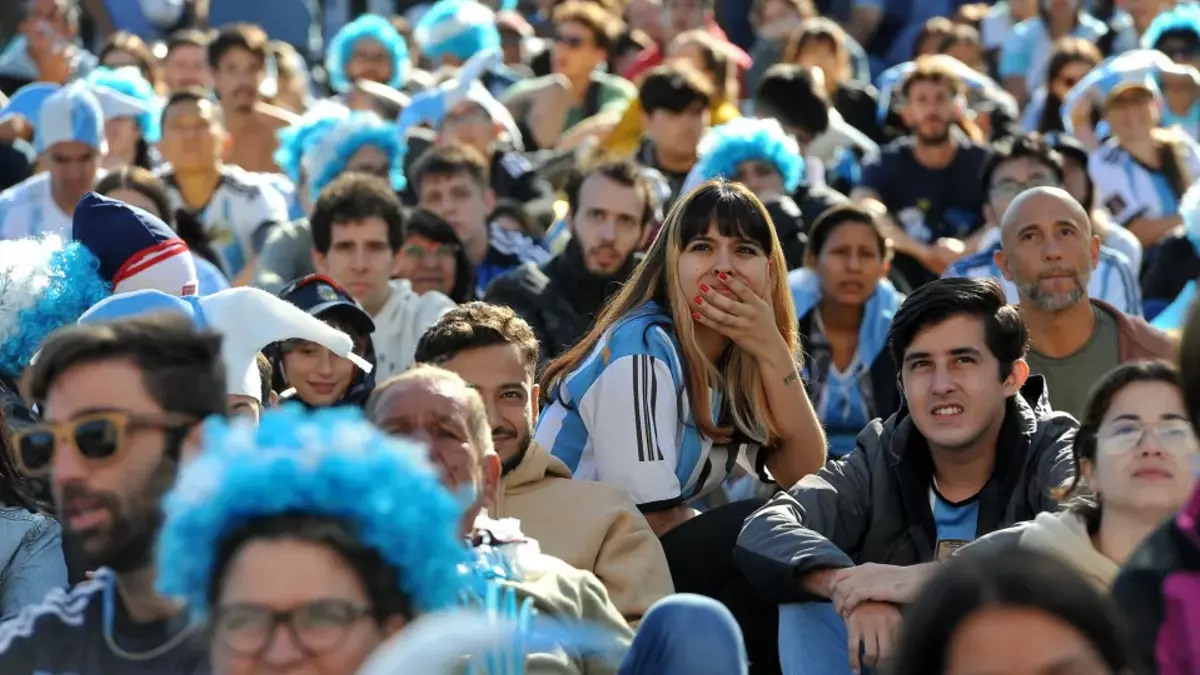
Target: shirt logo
(1115,205)
(947,547)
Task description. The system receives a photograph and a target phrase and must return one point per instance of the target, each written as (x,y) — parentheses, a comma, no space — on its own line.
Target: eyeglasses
(1175,437)
(97,436)
(316,627)
(1009,189)
(418,252)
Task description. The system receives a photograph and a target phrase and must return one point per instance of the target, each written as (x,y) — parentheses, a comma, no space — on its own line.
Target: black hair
(184,95)
(622,171)
(15,489)
(1029,146)
(1099,400)
(450,160)
(675,88)
(426,223)
(790,94)
(237,36)
(380,580)
(841,214)
(354,197)
(1020,578)
(266,375)
(935,302)
(473,326)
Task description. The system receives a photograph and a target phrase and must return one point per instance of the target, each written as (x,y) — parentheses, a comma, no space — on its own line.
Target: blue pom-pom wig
(306,133)
(1182,18)
(370,27)
(328,158)
(746,139)
(129,81)
(457,28)
(330,463)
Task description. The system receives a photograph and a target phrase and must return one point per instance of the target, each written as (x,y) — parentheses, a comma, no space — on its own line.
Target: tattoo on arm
(790,378)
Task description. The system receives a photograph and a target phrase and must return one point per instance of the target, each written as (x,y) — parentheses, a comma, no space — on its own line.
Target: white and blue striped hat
(70,114)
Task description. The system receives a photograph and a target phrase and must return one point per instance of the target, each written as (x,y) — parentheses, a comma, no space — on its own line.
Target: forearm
(818,582)
(801,446)
(597,126)
(901,241)
(546,121)
(1150,230)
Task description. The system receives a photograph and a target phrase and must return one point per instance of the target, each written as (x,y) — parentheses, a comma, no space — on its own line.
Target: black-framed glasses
(1175,437)
(99,437)
(316,627)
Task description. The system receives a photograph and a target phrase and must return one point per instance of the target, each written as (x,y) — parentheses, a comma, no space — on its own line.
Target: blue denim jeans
(686,634)
(31,559)
(813,640)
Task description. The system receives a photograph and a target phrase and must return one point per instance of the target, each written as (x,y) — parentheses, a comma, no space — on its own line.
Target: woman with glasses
(432,258)
(1135,449)
(325,570)
(1071,59)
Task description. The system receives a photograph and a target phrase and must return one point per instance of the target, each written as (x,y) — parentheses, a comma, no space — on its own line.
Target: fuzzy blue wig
(44,285)
(746,139)
(129,81)
(328,463)
(457,28)
(368,26)
(298,138)
(1184,17)
(328,158)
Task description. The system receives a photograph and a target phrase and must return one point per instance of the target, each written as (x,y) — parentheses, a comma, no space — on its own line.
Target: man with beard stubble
(590,526)
(1048,250)
(122,402)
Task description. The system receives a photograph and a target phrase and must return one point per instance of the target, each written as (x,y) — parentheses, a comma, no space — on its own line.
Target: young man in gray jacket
(973,448)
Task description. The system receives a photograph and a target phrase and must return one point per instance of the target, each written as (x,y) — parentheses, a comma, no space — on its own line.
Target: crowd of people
(312,316)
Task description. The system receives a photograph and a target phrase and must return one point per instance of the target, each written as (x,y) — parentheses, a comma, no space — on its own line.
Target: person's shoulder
(274,117)
(59,612)
(1108,153)
(26,189)
(644,331)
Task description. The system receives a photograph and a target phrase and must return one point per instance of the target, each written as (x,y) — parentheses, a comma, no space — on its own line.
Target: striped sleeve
(632,414)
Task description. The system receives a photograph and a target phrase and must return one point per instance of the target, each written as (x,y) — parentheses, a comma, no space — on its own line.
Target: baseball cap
(1145,83)
(319,295)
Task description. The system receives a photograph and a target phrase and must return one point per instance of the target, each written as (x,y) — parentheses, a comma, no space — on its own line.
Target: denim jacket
(31,559)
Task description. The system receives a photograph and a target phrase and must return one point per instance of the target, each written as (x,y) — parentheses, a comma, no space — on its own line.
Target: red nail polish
(722,276)
(696,316)
(698,300)
(703,288)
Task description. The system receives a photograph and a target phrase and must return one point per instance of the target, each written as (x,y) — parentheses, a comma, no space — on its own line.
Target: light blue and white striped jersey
(1131,190)
(623,417)
(1113,280)
(27,209)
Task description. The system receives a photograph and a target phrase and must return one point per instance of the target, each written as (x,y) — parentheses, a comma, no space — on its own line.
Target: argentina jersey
(28,209)
(956,523)
(1130,190)
(1113,280)
(623,417)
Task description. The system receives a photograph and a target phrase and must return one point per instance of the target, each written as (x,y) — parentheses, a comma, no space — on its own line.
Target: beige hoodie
(590,526)
(1064,535)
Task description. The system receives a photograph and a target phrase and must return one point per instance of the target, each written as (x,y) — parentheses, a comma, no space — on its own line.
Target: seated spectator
(1025,53)
(715,262)
(368,48)
(452,182)
(452,31)
(129,133)
(358,231)
(609,210)
(360,143)
(867,528)
(47,48)
(1071,59)
(676,100)
(777,22)
(311,374)
(1018,613)
(548,107)
(845,305)
(433,259)
(1016,165)
(1171,266)
(706,55)
(185,64)
(590,526)
(677,17)
(123,49)
(821,43)
(293,84)
(1176,33)
(1134,450)
(1049,252)
(762,156)
(932,35)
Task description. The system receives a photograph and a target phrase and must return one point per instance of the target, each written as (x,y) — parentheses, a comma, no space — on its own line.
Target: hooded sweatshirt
(591,526)
(1062,534)
(401,322)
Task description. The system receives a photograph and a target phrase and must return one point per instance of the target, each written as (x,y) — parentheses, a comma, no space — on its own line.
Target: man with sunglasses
(358,231)
(122,401)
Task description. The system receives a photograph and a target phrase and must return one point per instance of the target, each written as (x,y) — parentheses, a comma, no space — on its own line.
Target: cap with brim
(1142,84)
(322,297)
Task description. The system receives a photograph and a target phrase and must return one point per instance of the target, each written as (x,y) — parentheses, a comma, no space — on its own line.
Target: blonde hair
(734,211)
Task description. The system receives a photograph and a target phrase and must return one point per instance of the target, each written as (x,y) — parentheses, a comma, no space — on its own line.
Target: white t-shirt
(28,210)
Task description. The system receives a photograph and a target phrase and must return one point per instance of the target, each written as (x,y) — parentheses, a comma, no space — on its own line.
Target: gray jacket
(872,505)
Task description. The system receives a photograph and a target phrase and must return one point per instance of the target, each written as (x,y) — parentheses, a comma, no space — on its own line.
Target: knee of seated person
(694,614)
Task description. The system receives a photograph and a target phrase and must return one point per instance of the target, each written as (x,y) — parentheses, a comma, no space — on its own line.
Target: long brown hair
(734,211)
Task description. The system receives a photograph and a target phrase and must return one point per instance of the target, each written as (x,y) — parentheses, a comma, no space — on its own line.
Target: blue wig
(1184,17)
(329,157)
(129,81)
(746,139)
(44,285)
(298,138)
(369,26)
(328,463)
(457,28)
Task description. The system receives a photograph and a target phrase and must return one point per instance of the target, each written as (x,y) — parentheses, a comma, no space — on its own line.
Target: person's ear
(1087,475)
(319,262)
(192,443)
(1016,378)
(492,470)
(393,625)
(1095,250)
(535,395)
(1002,263)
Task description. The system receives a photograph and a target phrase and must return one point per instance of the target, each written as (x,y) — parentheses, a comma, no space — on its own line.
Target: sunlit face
(821,53)
(929,111)
(321,378)
(1010,179)
(851,264)
(953,386)
(1049,252)
(238,76)
(1068,77)
(428,265)
(72,166)
(45,25)
(122,134)
(1141,468)
(435,414)
(370,61)
(191,135)
(706,257)
(469,124)
(607,222)
(575,52)
(371,160)
(186,66)
(360,259)
(1020,641)
(763,179)
(135,198)
(460,201)
(677,133)
(336,633)
(1132,116)
(500,376)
